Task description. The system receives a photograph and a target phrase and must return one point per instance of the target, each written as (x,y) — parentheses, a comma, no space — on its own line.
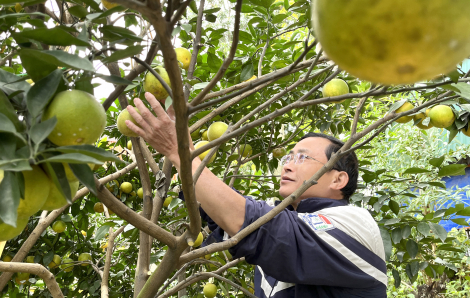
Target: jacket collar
(315,204)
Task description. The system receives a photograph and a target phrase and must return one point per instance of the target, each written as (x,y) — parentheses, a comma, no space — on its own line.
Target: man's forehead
(314,146)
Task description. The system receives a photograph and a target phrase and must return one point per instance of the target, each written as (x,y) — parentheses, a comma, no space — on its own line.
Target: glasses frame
(299,159)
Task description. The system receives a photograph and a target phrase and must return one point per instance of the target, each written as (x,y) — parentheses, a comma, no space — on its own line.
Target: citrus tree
(245,83)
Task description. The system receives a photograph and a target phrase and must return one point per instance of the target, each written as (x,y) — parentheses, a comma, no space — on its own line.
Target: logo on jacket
(317,222)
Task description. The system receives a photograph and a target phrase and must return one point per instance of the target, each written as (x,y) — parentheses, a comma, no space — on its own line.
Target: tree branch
(200,97)
(132,217)
(41,271)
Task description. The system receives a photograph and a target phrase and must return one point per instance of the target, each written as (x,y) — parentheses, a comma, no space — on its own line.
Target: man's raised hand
(160,131)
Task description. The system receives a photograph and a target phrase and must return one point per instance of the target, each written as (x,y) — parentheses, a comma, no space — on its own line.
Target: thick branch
(37,269)
(132,217)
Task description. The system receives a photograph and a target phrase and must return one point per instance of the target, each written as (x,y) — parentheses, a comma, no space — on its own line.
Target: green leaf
(16,165)
(396,277)
(464,212)
(415,171)
(6,108)
(406,232)
(454,75)
(394,206)
(438,184)
(464,90)
(56,171)
(39,132)
(438,230)
(9,198)
(247,72)
(396,235)
(387,242)
(78,11)
(6,125)
(452,134)
(412,269)
(101,232)
(437,161)
(121,54)
(423,228)
(396,105)
(452,170)
(42,92)
(214,62)
(7,146)
(412,248)
(100,154)
(72,158)
(391,221)
(55,36)
(264,3)
(460,221)
(58,58)
(368,177)
(85,176)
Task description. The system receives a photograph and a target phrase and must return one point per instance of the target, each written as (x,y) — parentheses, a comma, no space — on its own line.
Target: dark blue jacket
(323,249)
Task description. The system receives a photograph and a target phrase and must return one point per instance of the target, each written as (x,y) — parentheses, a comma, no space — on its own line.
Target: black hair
(348,163)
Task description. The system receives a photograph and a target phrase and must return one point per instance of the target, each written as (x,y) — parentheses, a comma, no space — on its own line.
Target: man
(319,247)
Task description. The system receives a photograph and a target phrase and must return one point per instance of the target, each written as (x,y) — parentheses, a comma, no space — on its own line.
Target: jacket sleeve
(289,249)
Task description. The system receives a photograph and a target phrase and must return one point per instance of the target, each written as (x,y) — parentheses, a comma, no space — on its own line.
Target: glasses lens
(300,157)
(286,159)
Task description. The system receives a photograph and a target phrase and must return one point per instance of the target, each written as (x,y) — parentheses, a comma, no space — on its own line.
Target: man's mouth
(286,179)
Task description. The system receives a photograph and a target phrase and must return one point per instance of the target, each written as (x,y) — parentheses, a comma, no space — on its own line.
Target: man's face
(293,175)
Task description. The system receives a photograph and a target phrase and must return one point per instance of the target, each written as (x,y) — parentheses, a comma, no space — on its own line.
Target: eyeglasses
(299,158)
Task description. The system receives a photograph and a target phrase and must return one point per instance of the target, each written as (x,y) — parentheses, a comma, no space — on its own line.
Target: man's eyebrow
(303,150)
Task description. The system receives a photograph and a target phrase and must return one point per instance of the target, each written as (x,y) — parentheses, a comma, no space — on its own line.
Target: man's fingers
(138,117)
(157,108)
(135,128)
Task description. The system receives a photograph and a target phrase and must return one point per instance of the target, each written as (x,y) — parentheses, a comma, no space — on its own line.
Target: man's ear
(340,180)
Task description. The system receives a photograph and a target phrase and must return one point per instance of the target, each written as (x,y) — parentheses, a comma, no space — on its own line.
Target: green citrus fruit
(126,187)
(37,187)
(56,260)
(30,259)
(98,207)
(121,123)
(393,42)
(202,155)
(84,257)
(2,173)
(152,84)
(140,193)
(7,258)
(422,116)
(441,116)
(209,290)
(184,57)
(8,232)
(204,136)
(56,200)
(335,87)
(167,201)
(22,275)
(216,130)
(67,264)
(245,149)
(279,152)
(195,134)
(466,131)
(405,107)
(81,119)
(59,226)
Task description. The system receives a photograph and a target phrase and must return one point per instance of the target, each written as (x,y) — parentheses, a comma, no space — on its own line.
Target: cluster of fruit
(65,264)
(440,116)
(73,110)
